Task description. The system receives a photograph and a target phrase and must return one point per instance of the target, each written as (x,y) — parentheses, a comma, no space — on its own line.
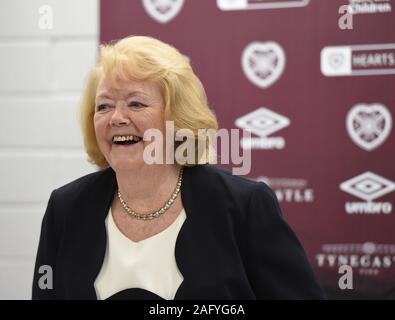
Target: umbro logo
(368,186)
(262,122)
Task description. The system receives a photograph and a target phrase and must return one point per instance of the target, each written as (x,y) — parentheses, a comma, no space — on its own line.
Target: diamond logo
(262,122)
(263,63)
(368,186)
(163,10)
(369,125)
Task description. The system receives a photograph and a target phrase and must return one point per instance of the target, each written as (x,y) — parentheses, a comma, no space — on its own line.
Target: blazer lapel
(194,255)
(88,236)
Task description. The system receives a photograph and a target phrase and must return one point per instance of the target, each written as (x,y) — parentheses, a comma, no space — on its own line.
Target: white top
(149,264)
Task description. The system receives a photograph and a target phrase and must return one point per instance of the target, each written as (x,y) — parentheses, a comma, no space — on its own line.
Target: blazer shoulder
(85,182)
(210,172)
(224,184)
(67,200)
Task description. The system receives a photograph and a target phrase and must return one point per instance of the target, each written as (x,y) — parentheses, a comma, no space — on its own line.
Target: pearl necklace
(157,213)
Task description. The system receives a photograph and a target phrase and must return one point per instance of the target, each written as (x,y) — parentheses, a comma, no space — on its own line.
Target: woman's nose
(120,116)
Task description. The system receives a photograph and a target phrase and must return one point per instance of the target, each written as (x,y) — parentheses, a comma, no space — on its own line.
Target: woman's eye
(102,107)
(137,105)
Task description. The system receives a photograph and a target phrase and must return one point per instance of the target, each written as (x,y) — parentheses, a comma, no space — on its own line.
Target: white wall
(42,73)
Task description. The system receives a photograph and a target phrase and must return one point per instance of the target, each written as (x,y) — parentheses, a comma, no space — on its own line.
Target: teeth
(126,138)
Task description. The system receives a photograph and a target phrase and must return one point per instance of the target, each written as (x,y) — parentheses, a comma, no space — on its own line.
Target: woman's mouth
(126,140)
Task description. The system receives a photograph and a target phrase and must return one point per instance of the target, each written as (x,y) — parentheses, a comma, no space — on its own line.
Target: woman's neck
(148,187)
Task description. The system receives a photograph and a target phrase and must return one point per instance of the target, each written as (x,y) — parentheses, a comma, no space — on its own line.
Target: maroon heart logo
(163,10)
(263,62)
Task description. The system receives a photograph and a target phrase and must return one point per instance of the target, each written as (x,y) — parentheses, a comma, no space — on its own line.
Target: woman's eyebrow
(136,93)
(103,95)
(130,94)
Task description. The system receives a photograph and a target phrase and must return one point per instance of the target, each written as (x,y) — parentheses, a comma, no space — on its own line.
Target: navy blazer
(234,243)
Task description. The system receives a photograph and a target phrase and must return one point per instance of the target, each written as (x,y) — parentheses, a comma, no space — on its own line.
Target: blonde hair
(148,59)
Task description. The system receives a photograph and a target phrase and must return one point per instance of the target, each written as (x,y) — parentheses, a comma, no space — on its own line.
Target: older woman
(160,231)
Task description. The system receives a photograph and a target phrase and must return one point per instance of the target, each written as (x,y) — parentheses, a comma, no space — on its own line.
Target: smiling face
(125,113)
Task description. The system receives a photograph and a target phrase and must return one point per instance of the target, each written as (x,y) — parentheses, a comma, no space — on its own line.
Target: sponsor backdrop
(314,83)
